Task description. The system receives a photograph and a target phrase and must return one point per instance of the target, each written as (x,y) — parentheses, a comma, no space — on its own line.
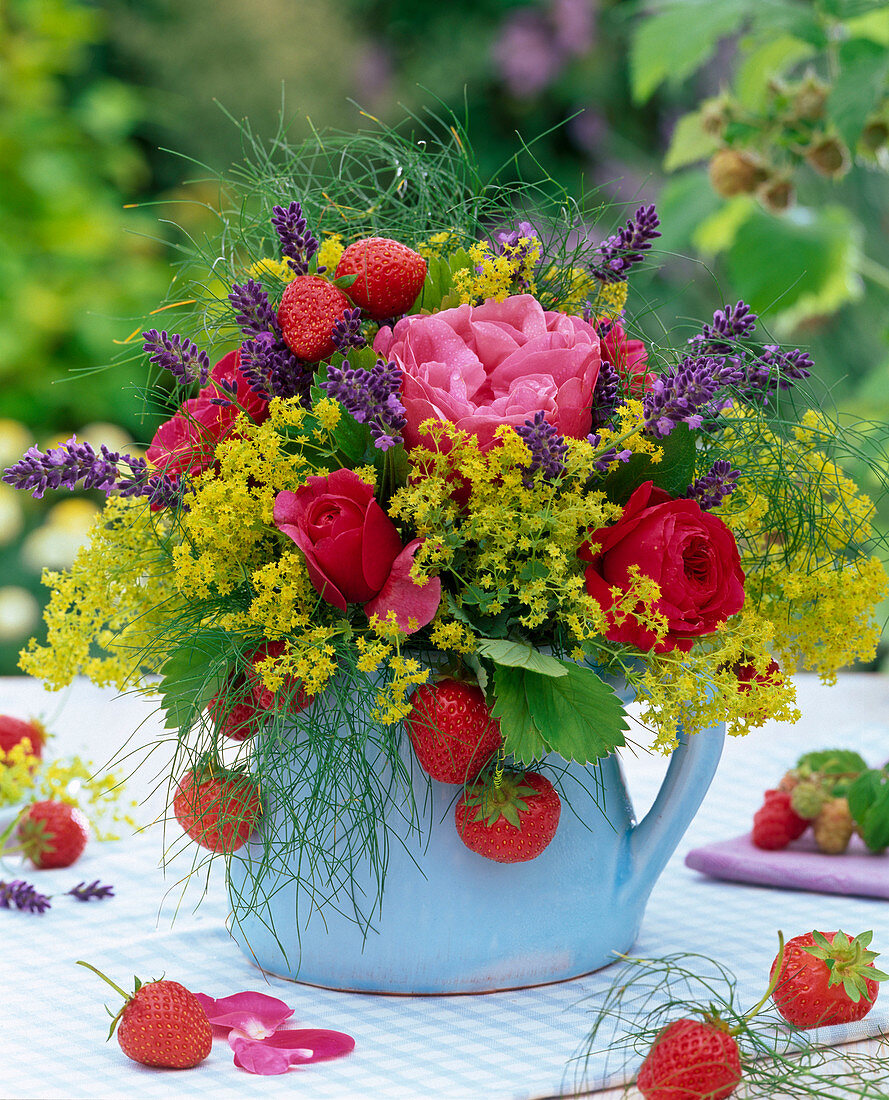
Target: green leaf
(833,761)
(679,39)
(868,799)
(860,85)
(801,265)
(763,62)
(517,655)
(521,737)
(674,473)
(579,716)
(689,142)
(684,202)
(192,674)
(717,232)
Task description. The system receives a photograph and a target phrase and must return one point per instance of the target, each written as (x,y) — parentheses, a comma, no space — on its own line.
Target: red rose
(691,554)
(353,550)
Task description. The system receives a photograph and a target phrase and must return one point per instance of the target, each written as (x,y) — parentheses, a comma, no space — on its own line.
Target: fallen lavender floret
(92,892)
(19,894)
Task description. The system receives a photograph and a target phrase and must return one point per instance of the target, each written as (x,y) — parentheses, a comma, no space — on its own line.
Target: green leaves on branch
(576,714)
(868,799)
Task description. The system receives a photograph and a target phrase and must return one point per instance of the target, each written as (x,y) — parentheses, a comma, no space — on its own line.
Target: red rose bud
(353,551)
(690,553)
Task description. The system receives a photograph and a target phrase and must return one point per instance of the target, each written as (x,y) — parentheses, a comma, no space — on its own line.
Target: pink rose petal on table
(253,1015)
(284,1049)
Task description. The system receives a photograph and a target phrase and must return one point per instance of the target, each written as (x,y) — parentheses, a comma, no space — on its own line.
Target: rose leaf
(517,655)
(579,716)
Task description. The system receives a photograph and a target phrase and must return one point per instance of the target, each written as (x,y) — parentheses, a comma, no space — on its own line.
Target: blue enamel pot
(449,920)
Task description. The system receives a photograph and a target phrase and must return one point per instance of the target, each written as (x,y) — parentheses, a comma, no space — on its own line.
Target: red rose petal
(404,596)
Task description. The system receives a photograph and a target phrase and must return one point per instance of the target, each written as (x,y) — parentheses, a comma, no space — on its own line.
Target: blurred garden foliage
(758,126)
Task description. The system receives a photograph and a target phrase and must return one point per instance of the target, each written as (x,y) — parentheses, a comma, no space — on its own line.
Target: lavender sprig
(92,892)
(688,393)
(19,894)
(621,251)
(609,456)
(730,324)
(370,397)
(775,369)
(297,243)
(718,483)
(65,466)
(181,357)
(347,331)
(606,394)
(272,369)
(254,313)
(548,449)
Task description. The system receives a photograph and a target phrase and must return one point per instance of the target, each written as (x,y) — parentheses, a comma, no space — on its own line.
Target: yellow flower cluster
(330,250)
(17,768)
(277,269)
(579,289)
(497,275)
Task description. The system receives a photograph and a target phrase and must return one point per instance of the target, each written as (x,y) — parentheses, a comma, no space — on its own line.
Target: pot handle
(692,767)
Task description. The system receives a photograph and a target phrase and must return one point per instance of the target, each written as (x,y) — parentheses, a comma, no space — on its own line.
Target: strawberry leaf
(521,737)
(517,655)
(579,716)
(868,799)
(193,673)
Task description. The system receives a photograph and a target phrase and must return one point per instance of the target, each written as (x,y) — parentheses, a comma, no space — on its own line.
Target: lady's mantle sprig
(298,244)
(22,895)
(370,397)
(181,357)
(621,251)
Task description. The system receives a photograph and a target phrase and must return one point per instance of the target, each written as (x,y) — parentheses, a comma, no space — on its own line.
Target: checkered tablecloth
(511,1046)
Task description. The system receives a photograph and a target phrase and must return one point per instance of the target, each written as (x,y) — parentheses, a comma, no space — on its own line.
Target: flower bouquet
(388,558)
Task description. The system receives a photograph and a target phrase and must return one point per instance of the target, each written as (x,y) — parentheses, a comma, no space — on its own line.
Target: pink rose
(353,550)
(498,363)
(629,358)
(186,443)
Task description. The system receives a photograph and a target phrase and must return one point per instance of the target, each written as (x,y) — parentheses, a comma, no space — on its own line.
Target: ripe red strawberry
(776,823)
(310,307)
(388,276)
(691,1060)
(452,731)
(53,834)
(218,809)
(234,711)
(826,978)
(291,693)
(511,823)
(162,1024)
(13,731)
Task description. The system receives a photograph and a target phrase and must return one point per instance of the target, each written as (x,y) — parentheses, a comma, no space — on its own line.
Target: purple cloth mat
(798,867)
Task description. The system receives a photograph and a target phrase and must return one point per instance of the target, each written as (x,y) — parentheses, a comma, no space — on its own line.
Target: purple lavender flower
(606,394)
(93,891)
(297,243)
(730,324)
(612,454)
(19,894)
(272,369)
(347,331)
(254,313)
(711,489)
(548,449)
(621,251)
(63,467)
(687,393)
(775,369)
(370,397)
(182,358)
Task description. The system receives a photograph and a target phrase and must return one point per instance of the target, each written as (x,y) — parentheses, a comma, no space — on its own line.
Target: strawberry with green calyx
(15,731)
(52,833)
(822,979)
(217,808)
(510,818)
(690,1060)
(162,1024)
(451,730)
(310,308)
(382,276)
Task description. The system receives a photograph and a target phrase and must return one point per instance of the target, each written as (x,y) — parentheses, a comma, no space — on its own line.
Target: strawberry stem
(105,978)
(771,989)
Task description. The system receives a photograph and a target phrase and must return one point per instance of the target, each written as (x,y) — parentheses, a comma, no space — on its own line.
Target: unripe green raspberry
(833,827)
(807,799)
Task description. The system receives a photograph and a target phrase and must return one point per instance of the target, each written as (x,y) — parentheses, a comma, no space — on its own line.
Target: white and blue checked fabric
(509,1046)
